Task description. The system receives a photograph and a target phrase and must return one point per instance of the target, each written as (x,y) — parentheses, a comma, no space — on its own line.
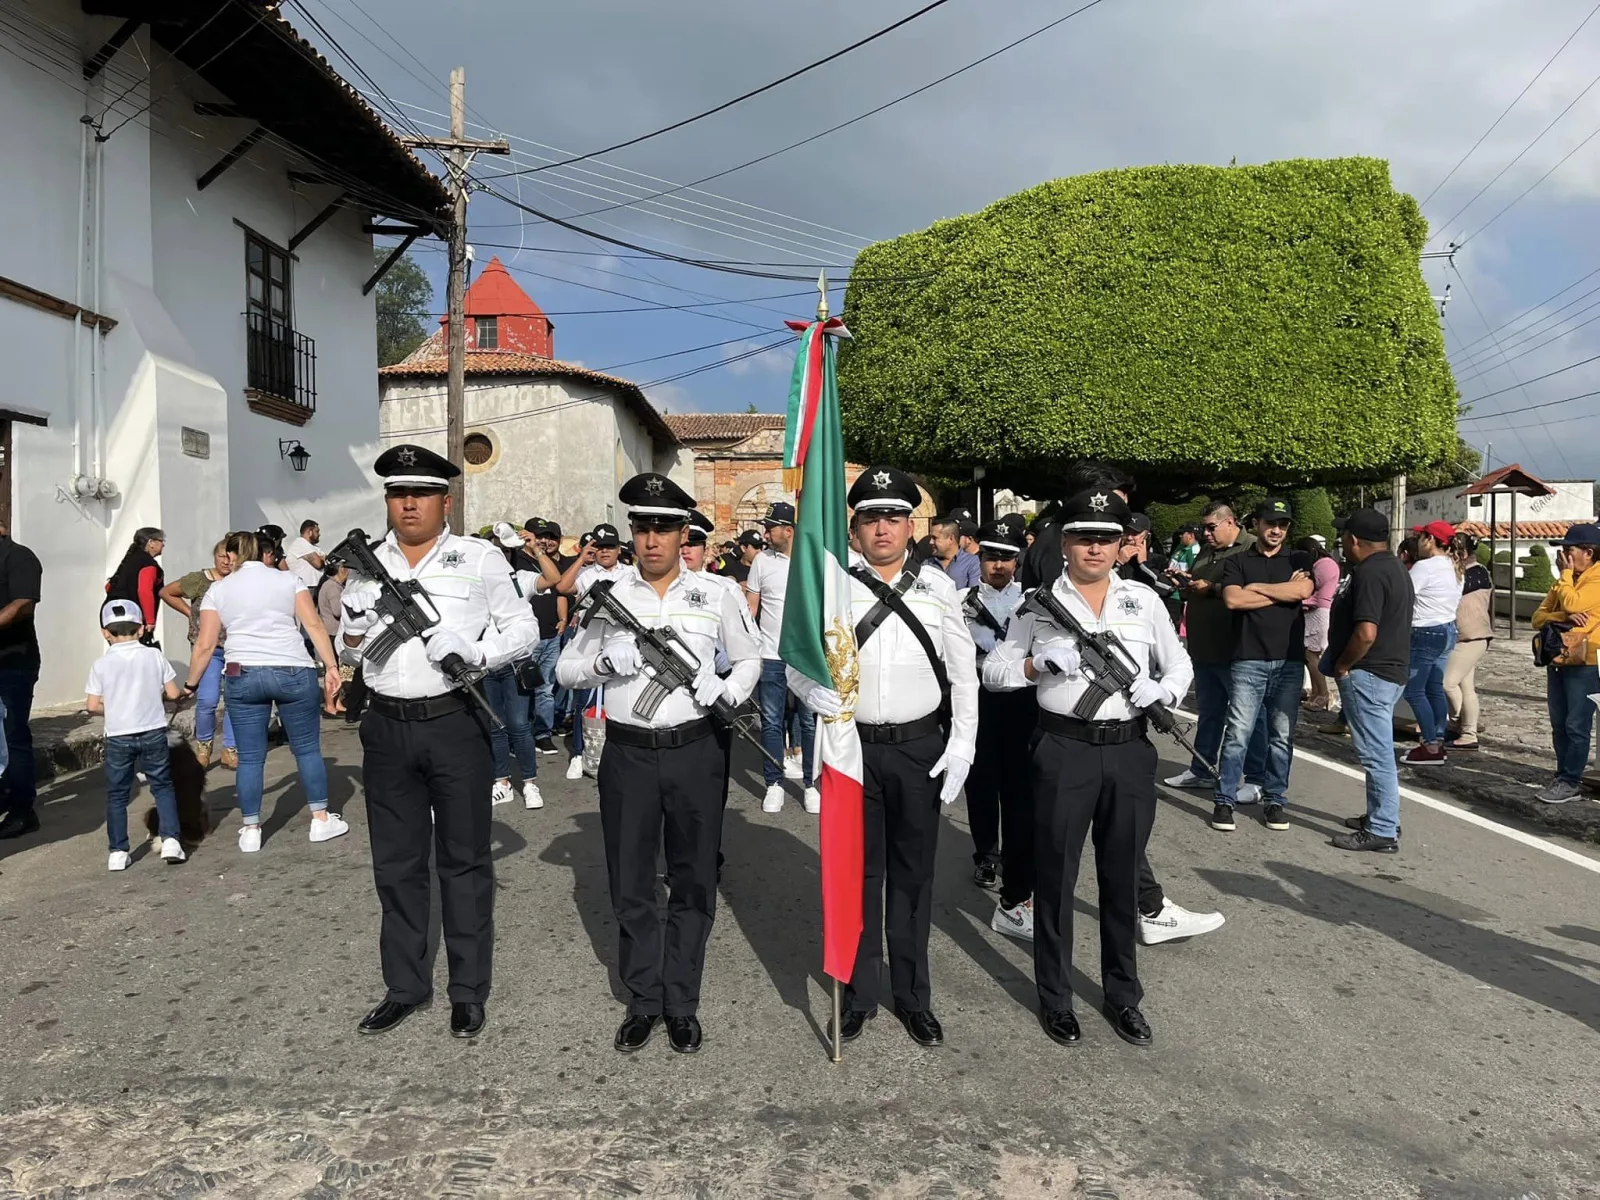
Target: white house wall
(556,454)
(174,280)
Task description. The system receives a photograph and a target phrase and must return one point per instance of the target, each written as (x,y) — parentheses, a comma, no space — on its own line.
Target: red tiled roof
(1526,530)
(427,361)
(1510,478)
(722,427)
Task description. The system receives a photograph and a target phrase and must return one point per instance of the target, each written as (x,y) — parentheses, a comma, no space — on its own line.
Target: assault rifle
(1109,667)
(669,664)
(407,612)
(975,610)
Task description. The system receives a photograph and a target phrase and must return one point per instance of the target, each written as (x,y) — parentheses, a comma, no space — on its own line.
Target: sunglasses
(1213,526)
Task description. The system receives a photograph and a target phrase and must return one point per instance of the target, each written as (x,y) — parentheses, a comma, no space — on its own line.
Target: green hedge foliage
(1191,323)
(1313,513)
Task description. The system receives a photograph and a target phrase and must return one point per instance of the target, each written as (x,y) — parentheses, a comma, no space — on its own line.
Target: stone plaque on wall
(196,442)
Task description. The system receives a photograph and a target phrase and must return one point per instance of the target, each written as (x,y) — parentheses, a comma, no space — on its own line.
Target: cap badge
(654,487)
(1099,502)
(406,457)
(881,479)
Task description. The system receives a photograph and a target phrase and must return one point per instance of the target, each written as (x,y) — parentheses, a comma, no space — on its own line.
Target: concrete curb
(66,743)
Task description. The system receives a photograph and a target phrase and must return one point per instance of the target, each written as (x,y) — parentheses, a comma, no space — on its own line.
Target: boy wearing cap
(1264,590)
(126,686)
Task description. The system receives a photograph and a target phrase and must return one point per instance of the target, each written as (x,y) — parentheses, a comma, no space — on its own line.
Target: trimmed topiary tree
(1313,513)
(1194,324)
(1536,573)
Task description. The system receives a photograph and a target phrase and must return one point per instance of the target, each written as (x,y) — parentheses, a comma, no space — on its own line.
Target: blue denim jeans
(1212,688)
(250,696)
(774,700)
(510,704)
(1430,647)
(1265,692)
(1368,705)
(17,787)
(544,699)
(1571,716)
(205,705)
(125,755)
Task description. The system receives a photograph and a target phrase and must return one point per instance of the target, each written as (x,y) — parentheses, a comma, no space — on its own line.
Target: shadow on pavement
(582,851)
(1508,963)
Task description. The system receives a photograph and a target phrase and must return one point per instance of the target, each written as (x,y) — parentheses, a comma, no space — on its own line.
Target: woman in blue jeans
(264,611)
(185,595)
(510,703)
(1436,593)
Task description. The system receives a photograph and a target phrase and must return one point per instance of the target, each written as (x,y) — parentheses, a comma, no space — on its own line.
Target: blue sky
(1129,82)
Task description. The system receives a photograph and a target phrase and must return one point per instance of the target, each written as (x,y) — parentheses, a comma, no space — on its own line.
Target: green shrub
(1313,513)
(1536,574)
(1165,519)
(1190,323)
(1482,553)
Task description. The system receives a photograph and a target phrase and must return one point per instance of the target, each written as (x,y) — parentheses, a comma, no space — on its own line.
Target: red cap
(1439,531)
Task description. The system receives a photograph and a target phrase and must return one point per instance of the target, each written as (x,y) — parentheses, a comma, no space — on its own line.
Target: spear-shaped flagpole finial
(822,295)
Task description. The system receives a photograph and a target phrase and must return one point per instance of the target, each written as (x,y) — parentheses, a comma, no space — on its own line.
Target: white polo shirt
(297,552)
(769,579)
(130,679)
(256,604)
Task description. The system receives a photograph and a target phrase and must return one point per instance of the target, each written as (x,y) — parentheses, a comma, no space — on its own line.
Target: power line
(1539,75)
(1536,307)
(1517,412)
(740,99)
(1559,162)
(1536,378)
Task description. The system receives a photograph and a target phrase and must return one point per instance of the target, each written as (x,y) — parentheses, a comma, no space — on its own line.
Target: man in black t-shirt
(20,578)
(1263,588)
(550,609)
(1369,656)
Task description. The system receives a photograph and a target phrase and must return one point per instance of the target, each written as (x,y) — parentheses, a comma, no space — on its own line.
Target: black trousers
(1000,789)
(901,816)
(1151,897)
(650,800)
(411,769)
(1111,789)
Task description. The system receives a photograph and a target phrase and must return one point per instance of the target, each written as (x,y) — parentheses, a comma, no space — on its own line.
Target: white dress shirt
(1132,611)
(298,553)
(701,614)
(769,579)
(1001,604)
(897,683)
(469,582)
(593,573)
(256,604)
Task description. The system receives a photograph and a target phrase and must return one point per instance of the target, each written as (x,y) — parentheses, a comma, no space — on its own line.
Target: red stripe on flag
(842,836)
(808,402)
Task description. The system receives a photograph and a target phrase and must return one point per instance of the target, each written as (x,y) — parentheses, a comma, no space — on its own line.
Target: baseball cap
(1367,524)
(1139,523)
(606,535)
(1273,508)
(1586,534)
(506,534)
(752,537)
(584,540)
(118,612)
(779,513)
(1439,531)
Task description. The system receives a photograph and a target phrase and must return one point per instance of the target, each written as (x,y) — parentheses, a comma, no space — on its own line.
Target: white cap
(119,612)
(506,534)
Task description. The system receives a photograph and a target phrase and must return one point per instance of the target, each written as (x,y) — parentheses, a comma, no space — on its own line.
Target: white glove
(708,689)
(442,643)
(360,614)
(825,702)
(1146,691)
(622,657)
(954,770)
(1063,656)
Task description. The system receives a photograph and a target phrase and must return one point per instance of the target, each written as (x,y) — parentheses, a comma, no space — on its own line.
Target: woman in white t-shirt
(264,611)
(1436,594)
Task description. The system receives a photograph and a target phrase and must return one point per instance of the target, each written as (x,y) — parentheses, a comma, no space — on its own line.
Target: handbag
(1560,644)
(529,678)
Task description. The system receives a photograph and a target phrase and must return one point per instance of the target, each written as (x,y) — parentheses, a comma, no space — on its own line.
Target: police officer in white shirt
(911,763)
(1098,773)
(426,763)
(999,790)
(661,777)
(597,560)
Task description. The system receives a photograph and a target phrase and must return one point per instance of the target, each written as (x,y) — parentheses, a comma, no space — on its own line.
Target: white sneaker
(773,801)
(118,861)
(575,767)
(1173,922)
(530,795)
(326,831)
(1189,780)
(792,767)
(249,839)
(172,850)
(813,801)
(1014,922)
(501,792)
(1249,793)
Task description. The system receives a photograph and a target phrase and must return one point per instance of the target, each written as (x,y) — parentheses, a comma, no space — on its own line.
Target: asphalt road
(1420,1025)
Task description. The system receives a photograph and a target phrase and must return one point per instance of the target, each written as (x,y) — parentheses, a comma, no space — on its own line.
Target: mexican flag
(818,637)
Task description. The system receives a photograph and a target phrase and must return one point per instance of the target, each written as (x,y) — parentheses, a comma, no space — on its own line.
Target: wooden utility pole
(1397,511)
(460,150)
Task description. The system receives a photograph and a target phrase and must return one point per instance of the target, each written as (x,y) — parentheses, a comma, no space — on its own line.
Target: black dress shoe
(386,1016)
(985,876)
(1061,1025)
(1130,1025)
(851,1022)
(466,1019)
(17,824)
(684,1034)
(634,1032)
(922,1025)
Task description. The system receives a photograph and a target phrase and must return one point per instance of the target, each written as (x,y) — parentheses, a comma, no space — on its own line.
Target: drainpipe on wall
(97,355)
(75,379)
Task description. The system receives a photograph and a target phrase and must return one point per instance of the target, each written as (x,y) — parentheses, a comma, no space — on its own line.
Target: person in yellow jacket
(1575,598)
